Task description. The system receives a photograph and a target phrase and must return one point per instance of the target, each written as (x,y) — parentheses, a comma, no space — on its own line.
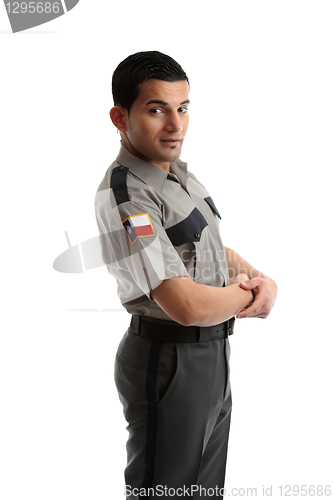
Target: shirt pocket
(212,206)
(188,230)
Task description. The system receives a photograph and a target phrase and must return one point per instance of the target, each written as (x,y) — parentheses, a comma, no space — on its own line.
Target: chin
(165,156)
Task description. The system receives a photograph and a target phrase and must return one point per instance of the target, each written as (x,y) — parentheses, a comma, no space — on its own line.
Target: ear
(118,117)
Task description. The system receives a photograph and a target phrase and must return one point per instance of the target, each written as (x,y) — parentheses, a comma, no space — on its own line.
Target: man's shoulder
(106,181)
(120,185)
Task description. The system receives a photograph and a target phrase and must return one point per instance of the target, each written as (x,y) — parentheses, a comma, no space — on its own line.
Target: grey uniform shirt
(156,225)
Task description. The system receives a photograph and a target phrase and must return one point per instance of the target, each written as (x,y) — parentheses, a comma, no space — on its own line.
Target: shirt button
(197,235)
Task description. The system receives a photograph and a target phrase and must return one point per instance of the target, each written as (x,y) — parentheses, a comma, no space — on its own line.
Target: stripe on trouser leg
(151,413)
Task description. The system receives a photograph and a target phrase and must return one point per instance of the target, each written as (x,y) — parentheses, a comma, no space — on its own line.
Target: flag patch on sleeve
(138,226)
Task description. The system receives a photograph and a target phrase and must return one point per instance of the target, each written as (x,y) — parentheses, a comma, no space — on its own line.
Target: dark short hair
(139,68)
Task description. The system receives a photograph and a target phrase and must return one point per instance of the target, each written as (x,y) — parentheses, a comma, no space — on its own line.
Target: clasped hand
(264,291)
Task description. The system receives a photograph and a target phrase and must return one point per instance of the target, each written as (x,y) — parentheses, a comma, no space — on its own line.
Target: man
(160,239)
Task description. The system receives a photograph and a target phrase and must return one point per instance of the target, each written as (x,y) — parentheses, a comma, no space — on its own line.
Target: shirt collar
(149,173)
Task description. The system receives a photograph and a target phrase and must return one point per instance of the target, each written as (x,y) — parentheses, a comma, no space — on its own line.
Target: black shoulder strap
(118,184)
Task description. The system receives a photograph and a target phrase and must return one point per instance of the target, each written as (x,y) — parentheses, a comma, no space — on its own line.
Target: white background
(260,139)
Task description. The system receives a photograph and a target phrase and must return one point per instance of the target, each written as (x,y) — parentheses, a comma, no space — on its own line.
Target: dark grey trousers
(176,399)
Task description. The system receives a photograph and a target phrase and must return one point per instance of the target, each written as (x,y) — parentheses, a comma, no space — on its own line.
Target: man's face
(158,122)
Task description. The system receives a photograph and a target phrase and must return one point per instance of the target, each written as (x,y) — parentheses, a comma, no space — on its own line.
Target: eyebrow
(157,101)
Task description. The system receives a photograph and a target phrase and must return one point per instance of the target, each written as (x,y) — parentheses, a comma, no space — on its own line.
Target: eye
(183,110)
(156,111)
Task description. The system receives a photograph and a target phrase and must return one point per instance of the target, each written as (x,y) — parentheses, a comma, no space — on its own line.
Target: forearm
(190,303)
(216,305)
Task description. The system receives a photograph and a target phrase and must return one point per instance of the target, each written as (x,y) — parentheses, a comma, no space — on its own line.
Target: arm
(264,288)
(190,303)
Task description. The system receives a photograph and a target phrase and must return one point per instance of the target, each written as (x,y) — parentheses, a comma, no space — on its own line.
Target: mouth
(171,141)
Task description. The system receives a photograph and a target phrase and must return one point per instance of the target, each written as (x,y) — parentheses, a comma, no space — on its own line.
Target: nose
(173,122)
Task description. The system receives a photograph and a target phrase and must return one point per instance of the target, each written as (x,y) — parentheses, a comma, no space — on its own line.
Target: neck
(163,165)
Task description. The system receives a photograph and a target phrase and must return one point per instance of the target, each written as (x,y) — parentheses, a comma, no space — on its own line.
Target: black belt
(170,331)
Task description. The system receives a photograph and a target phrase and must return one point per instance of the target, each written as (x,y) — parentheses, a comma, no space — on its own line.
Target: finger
(262,313)
(254,310)
(249,285)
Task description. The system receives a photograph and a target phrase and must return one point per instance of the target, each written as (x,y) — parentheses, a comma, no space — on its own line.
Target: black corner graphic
(24,15)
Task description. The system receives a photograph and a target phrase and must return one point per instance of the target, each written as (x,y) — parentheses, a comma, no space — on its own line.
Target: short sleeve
(135,246)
